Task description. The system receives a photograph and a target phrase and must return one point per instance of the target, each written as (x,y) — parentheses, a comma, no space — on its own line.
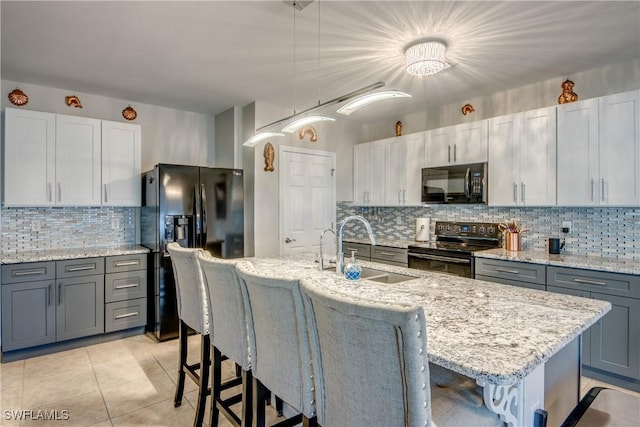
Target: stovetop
(462,238)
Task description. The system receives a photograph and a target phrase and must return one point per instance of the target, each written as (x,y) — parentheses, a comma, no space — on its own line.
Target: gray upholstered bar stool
(280,358)
(371,366)
(193,312)
(230,338)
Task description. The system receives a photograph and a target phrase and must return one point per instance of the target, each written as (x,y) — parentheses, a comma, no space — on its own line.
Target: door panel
(80,307)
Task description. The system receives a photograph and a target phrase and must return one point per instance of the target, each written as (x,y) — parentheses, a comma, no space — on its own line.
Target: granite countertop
(492,333)
(614,265)
(391,243)
(73,253)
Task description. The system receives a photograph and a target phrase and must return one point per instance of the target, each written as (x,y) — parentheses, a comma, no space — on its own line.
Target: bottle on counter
(352,270)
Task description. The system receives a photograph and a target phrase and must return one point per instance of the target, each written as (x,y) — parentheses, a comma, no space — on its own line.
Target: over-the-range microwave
(455,184)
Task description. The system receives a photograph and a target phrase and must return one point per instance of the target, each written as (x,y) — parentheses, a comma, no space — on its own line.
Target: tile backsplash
(31,229)
(608,232)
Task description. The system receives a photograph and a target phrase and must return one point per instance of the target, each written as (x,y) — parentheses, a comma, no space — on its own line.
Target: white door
(307,199)
(121,146)
(361,174)
(470,144)
(438,146)
(538,158)
(378,173)
(415,163)
(396,171)
(504,165)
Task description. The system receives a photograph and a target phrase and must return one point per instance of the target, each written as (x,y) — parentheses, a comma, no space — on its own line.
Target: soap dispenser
(352,270)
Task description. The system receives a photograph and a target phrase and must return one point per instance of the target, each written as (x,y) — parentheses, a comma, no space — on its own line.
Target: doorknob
(288,240)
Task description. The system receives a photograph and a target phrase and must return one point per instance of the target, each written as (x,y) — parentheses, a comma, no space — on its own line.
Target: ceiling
(207,56)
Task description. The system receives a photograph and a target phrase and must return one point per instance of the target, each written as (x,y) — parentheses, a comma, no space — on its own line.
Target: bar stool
(193,312)
(279,345)
(230,337)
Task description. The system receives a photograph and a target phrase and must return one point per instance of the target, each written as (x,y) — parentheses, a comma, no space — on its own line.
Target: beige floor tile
(83,410)
(161,414)
(40,391)
(11,374)
(106,423)
(71,362)
(10,400)
(125,369)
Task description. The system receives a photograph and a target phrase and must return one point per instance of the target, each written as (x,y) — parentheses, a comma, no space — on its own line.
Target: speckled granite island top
(493,333)
(60,254)
(614,265)
(391,243)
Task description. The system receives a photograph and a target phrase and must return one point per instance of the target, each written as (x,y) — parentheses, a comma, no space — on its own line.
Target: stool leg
(205,364)
(182,360)
(259,396)
(215,386)
(279,406)
(247,399)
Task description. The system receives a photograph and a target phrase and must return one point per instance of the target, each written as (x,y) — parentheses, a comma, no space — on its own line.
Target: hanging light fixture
(370,98)
(261,136)
(304,121)
(426,58)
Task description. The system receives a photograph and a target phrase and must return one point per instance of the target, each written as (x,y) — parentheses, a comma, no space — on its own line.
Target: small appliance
(462,184)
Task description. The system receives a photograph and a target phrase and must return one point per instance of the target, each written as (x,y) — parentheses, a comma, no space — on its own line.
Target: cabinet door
(80,307)
(415,163)
(620,149)
(361,174)
(396,170)
(378,172)
(121,144)
(28,314)
(578,153)
(77,161)
(470,144)
(439,146)
(538,158)
(504,152)
(586,335)
(615,339)
(29,158)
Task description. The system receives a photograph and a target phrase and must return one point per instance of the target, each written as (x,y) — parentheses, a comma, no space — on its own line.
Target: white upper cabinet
(415,163)
(121,147)
(461,144)
(369,163)
(77,161)
(599,151)
(522,159)
(29,158)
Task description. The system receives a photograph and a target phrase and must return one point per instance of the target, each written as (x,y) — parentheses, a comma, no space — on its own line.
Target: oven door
(457,266)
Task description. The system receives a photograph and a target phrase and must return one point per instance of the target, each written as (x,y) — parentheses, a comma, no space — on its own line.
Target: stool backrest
(191,294)
(280,356)
(226,308)
(370,360)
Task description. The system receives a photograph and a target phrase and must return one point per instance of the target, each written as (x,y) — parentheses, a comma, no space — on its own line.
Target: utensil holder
(512,241)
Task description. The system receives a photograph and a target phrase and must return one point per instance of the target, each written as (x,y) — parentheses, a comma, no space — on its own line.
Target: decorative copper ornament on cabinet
(73,101)
(567,93)
(269,157)
(18,97)
(467,108)
(398,128)
(129,113)
(308,130)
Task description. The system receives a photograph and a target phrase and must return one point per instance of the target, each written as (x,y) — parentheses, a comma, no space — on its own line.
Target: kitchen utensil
(422,229)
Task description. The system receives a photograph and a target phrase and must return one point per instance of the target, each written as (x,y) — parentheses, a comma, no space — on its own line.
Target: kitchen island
(522,346)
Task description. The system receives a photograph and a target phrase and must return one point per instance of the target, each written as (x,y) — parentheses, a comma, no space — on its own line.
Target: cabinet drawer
(528,285)
(385,253)
(119,263)
(597,281)
(511,270)
(79,267)
(125,285)
(125,314)
(28,272)
(362,250)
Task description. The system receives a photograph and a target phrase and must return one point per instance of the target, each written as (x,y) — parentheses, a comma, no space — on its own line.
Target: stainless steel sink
(384,276)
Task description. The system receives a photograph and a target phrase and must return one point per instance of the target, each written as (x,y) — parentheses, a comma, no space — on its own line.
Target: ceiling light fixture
(370,98)
(304,121)
(426,58)
(261,136)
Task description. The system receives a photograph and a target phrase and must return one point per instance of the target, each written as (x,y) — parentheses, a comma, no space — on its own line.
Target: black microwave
(455,184)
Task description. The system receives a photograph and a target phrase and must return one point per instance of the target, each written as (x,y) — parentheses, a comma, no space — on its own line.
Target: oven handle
(440,258)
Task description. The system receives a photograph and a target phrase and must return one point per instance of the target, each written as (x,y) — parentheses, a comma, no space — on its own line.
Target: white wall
(168,135)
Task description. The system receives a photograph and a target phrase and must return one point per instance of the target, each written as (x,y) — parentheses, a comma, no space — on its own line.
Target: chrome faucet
(340,254)
(321,247)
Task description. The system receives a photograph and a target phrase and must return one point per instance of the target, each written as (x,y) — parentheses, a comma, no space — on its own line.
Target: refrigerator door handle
(198,224)
(203,223)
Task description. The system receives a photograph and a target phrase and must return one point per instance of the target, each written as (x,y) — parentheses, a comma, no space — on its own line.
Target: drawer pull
(124,316)
(133,285)
(351,250)
(504,270)
(589,282)
(86,267)
(126,263)
(30,272)
(386,254)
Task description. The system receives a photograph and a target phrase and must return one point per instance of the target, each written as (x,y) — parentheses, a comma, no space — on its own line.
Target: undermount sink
(384,276)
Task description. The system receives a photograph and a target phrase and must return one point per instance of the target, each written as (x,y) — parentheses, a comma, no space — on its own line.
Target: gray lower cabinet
(614,341)
(361,250)
(79,307)
(389,255)
(125,292)
(513,273)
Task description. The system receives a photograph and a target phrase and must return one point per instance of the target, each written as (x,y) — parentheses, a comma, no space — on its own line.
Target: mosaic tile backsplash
(31,229)
(608,232)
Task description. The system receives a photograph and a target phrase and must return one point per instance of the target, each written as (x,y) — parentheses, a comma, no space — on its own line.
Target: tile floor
(129,382)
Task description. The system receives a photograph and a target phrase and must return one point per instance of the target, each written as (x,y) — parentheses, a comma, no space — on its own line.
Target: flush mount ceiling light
(297,124)
(261,136)
(370,98)
(426,58)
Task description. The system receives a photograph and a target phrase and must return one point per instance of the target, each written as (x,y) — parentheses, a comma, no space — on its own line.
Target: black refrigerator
(196,207)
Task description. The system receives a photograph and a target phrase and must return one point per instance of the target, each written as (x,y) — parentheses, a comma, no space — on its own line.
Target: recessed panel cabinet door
(415,163)
(79,307)
(78,170)
(121,147)
(29,158)
(361,174)
(538,158)
(396,171)
(504,155)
